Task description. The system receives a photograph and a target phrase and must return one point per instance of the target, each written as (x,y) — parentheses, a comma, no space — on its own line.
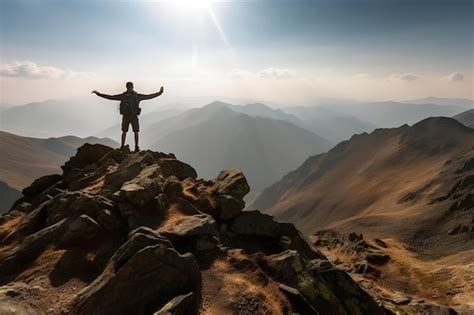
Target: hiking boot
(137,149)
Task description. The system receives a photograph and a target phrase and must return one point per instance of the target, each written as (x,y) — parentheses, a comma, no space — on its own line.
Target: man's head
(129,86)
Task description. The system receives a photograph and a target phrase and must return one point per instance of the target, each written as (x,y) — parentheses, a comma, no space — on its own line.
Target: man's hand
(161,90)
(94,92)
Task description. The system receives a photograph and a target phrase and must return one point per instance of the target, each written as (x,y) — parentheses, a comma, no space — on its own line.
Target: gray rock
(231,182)
(137,241)
(141,285)
(108,219)
(195,225)
(80,231)
(41,184)
(229,207)
(255,223)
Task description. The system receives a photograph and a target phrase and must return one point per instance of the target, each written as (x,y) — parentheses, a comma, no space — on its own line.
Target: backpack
(129,104)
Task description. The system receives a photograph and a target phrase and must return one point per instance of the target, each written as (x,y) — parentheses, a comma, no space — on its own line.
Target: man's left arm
(142,97)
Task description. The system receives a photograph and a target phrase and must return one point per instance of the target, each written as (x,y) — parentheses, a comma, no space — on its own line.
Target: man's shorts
(130,119)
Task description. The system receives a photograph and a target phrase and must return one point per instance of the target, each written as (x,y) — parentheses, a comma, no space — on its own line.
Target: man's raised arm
(117,97)
(150,96)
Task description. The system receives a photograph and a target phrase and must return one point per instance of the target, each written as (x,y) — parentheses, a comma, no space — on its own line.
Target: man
(129,108)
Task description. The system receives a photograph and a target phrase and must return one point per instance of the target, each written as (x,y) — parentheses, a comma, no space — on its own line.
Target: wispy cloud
(269,73)
(31,70)
(275,73)
(454,77)
(409,76)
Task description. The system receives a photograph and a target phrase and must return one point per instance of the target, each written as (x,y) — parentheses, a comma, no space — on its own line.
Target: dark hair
(129,85)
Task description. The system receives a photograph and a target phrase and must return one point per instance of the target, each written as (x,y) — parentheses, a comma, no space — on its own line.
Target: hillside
(216,137)
(466,118)
(410,184)
(23,159)
(385,178)
(122,233)
(329,123)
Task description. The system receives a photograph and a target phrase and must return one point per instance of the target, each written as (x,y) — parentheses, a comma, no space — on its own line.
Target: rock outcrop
(140,233)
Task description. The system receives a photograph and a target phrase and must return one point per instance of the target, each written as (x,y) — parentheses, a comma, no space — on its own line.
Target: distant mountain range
(466,118)
(461,102)
(395,114)
(23,159)
(219,136)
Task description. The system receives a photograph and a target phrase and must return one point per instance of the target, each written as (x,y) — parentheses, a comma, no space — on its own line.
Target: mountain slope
(466,118)
(328,123)
(410,191)
(123,233)
(382,183)
(216,137)
(23,159)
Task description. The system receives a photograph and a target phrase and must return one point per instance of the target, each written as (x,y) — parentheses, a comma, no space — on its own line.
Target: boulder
(108,219)
(145,282)
(231,182)
(353,299)
(41,184)
(230,207)
(297,301)
(73,204)
(173,167)
(284,235)
(80,231)
(137,241)
(172,187)
(255,223)
(144,187)
(86,155)
(195,225)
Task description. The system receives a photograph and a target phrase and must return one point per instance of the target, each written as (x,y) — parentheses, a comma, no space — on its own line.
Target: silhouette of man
(130,109)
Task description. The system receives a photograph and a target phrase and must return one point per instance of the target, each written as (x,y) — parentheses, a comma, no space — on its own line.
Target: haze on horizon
(279,51)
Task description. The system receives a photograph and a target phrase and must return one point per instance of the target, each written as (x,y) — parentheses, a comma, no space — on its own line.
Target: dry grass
(223,285)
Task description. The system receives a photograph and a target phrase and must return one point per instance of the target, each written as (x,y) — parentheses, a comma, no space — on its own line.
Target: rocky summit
(140,233)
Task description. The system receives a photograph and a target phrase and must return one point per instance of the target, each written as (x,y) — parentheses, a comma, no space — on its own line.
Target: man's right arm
(117,97)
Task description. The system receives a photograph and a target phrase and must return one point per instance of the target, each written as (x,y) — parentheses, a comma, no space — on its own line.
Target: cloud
(30,70)
(454,77)
(275,73)
(269,73)
(409,76)
(239,74)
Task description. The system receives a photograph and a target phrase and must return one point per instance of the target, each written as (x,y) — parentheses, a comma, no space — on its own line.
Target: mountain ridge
(142,225)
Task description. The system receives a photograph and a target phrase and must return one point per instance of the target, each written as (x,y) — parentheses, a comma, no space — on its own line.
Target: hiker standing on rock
(129,109)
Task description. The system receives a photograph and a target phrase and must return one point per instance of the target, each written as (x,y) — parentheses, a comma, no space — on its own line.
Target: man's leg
(136,129)
(125,123)
(124,136)
(136,140)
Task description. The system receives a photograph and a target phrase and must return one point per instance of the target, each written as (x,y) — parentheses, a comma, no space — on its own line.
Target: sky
(291,51)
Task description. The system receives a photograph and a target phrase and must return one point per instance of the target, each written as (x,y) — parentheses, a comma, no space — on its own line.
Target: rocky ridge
(123,233)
